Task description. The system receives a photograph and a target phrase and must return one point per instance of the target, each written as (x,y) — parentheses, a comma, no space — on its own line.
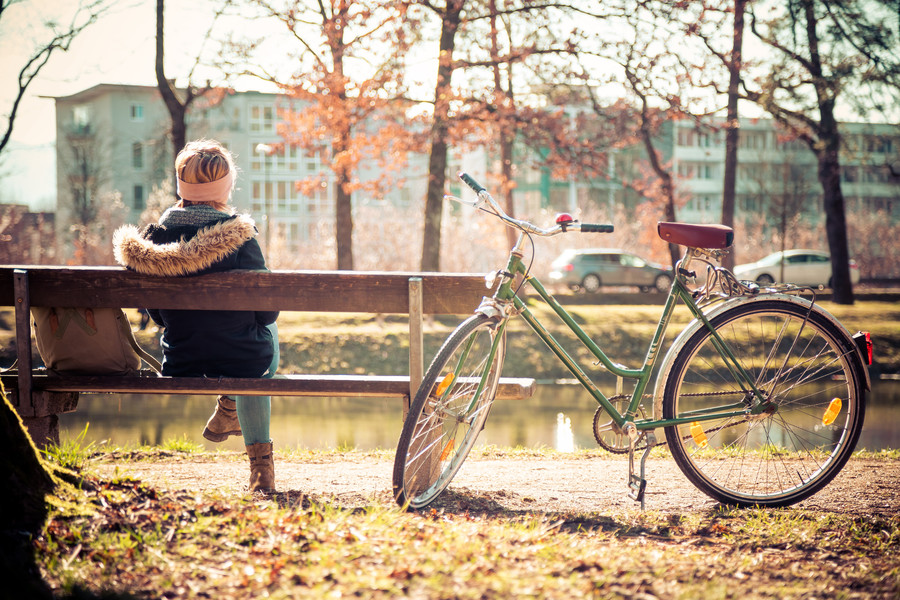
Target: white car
(800,267)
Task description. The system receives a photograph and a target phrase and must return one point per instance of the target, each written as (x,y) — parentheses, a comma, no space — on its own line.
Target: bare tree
(177,102)
(822,56)
(82,160)
(732,122)
(344,92)
(450,15)
(60,38)
(459,110)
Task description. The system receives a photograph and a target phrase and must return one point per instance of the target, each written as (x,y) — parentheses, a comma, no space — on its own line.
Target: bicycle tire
(802,362)
(443,410)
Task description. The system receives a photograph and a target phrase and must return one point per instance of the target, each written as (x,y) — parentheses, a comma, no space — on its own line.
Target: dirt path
(508,485)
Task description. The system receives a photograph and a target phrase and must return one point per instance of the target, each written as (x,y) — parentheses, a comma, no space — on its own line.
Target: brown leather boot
(262,467)
(223,422)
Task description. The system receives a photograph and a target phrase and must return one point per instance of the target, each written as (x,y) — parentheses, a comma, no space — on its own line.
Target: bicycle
(761,397)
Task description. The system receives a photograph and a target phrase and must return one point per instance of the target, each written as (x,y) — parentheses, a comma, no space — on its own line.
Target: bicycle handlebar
(469,181)
(596,228)
(563,222)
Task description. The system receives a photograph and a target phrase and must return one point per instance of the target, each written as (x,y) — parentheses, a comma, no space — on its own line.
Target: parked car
(590,269)
(801,267)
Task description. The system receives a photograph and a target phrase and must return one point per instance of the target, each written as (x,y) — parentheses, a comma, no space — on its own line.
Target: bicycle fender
(719,308)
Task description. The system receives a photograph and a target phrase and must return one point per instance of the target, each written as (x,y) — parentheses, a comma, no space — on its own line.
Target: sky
(118,48)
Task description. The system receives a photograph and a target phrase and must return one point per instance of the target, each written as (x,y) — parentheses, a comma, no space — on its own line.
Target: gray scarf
(197,215)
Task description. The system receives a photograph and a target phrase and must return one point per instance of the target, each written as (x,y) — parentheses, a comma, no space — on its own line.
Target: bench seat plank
(374,386)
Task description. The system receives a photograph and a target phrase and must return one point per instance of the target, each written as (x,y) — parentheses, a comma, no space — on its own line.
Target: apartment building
(776,174)
(113,138)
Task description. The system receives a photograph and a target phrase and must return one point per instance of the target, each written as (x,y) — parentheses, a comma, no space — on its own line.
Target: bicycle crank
(610,436)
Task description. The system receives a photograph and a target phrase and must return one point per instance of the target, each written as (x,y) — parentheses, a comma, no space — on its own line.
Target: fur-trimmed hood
(184,257)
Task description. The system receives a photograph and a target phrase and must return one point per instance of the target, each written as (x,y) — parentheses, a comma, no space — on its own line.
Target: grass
(147,543)
(71,453)
(129,540)
(362,343)
(622,331)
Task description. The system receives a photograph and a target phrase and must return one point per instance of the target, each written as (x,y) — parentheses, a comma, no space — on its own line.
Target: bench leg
(44,431)
(41,419)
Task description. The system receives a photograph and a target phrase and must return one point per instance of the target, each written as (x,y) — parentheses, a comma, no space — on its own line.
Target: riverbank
(379,344)
(623,329)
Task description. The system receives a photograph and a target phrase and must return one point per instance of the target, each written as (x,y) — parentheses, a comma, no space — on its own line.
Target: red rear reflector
(569,267)
(863,341)
(870,348)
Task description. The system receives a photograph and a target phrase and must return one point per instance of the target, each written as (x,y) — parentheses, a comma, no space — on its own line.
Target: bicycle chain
(622,450)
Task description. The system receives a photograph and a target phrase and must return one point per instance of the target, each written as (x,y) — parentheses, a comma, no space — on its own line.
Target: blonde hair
(205,161)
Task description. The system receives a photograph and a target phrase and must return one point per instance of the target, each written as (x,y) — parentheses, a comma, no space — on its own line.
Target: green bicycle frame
(505,295)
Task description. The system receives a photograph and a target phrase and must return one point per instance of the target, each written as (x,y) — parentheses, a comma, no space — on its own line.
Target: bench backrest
(325,291)
(415,294)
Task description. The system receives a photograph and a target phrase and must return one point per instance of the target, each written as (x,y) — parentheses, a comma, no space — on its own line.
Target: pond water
(558,416)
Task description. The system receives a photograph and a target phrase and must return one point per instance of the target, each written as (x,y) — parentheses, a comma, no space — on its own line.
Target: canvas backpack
(88,341)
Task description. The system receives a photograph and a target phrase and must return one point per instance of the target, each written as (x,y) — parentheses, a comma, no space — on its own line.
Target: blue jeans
(255,412)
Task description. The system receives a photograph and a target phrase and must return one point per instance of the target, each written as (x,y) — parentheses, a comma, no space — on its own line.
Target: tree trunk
(732,127)
(668,186)
(343,214)
(827,153)
(23,508)
(343,198)
(176,108)
(437,161)
(506,103)
(835,216)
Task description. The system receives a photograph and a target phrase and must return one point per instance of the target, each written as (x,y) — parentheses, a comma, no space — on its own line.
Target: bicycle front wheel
(803,365)
(449,411)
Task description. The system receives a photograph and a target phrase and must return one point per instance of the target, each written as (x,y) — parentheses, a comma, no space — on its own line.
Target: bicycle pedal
(638,486)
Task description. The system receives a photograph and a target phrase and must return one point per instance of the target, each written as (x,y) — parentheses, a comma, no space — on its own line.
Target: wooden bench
(40,397)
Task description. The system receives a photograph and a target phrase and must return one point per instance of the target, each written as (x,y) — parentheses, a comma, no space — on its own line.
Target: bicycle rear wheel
(804,366)
(449,411)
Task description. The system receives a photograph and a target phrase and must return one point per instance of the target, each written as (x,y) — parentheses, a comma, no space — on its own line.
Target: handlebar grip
(596,228)
(467,179)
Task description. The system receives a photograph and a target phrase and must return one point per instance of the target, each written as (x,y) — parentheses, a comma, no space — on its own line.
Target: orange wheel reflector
(447,450)
(444,384)
(832,411)
(698,434)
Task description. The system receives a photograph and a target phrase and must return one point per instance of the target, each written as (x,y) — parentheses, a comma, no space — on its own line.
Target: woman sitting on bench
(202,234)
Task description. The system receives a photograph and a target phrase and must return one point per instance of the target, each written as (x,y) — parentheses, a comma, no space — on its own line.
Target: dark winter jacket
(198,240)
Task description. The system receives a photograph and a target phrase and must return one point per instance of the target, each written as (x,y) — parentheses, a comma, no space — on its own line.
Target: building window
(849,174)
(262,118)
(81,118)
(686,170)
(691,170)
(685,137)
(752,140)
(879,144)
(137,155)
(137,112)
(139,200)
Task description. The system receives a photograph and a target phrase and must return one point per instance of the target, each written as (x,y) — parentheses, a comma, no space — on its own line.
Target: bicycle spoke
(790,448)
(448,412)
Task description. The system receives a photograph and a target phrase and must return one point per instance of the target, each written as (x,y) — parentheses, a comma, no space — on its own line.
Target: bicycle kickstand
(637,484)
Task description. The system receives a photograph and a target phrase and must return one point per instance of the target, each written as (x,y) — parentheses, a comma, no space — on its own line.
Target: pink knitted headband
(213,191)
